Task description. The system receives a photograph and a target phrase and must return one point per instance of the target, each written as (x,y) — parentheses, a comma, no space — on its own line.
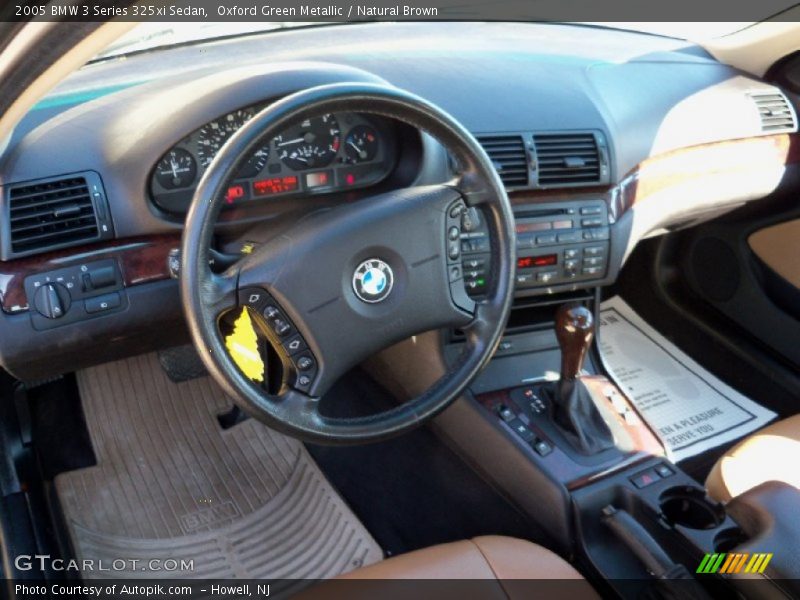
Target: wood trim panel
(141,260)
(696,163)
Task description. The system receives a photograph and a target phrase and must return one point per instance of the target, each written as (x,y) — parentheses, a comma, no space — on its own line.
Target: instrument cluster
(331,153)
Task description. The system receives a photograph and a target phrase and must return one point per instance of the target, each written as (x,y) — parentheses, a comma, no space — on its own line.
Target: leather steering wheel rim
(206,295)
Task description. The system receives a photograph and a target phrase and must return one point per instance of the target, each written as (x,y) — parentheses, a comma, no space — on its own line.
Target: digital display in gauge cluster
(330,153)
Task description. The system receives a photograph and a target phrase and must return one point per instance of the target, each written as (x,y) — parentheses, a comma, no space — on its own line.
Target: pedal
(181,363)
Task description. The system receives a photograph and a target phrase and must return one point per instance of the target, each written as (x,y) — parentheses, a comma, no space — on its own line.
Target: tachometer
(361,144)
(176,170)
(312,143)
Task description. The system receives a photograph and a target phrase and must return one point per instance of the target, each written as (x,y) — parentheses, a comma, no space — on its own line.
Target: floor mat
(690,409)
(171,484)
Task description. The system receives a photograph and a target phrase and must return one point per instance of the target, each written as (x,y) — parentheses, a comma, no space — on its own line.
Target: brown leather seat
(486,557)
(508,568)
(771,454)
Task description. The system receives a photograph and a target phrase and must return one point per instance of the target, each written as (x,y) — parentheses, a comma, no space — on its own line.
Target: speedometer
(214,135)
(312,143)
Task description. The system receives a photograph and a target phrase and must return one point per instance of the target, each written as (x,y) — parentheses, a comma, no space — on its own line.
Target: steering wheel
(346,283)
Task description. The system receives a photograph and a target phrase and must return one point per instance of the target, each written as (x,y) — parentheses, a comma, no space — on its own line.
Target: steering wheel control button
(305,363)
(373,280)
(280,327)
(253,297)
(294,345)
(303,382)
(456,210)
(278,322)
(454,250)
(102,303)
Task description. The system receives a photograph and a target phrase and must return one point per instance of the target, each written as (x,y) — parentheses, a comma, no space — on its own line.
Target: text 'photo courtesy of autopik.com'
(419,299)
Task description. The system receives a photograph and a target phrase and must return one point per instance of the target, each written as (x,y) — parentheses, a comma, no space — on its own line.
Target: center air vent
(509,158)
(775,112)
(569,159)
(55,213)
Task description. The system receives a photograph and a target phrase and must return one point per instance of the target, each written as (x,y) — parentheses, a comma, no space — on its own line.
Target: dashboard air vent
(775,112)
(52,213)
(567,158)
(509,158)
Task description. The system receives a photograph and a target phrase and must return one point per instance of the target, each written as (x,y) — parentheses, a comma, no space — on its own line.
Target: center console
(635,519)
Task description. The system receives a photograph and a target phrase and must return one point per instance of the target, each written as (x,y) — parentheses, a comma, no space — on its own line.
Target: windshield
(684,31)
(147,36)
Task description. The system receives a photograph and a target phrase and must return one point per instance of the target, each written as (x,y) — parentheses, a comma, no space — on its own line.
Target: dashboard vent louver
(51,213)
(508,155)
(775,112)
(567,158)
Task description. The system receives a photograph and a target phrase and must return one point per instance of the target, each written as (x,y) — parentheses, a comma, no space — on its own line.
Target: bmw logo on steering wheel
(373,280)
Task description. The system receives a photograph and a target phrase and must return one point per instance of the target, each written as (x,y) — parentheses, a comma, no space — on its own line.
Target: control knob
(52,300)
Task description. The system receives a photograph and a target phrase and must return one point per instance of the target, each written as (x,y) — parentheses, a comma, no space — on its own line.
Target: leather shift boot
(576,415)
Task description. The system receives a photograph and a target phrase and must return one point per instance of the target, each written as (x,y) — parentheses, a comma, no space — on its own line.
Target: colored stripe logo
(724,562)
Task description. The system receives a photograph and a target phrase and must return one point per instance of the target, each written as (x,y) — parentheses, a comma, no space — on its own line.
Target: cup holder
(728,539)
(689,506)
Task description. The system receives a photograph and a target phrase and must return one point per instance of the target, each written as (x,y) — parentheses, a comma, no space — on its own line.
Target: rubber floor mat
(171,485)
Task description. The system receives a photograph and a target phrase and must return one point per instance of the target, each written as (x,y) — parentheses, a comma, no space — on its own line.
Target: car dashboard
(601,137)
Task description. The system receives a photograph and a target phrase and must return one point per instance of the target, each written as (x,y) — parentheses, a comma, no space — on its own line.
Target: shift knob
(574,331)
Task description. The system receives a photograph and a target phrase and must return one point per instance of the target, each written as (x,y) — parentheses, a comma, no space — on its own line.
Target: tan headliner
(758,47)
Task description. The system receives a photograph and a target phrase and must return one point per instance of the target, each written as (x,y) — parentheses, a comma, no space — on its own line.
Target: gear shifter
(574,410)
(574,331)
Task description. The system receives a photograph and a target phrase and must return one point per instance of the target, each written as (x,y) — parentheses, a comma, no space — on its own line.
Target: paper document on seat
(687,407)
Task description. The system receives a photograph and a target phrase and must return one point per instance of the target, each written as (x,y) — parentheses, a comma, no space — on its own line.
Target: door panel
(778,248)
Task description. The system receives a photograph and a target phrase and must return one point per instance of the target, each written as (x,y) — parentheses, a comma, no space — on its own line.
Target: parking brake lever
(631,533)
(639,541)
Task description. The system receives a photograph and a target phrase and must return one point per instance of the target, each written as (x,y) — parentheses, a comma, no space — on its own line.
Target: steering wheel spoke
(221,291)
